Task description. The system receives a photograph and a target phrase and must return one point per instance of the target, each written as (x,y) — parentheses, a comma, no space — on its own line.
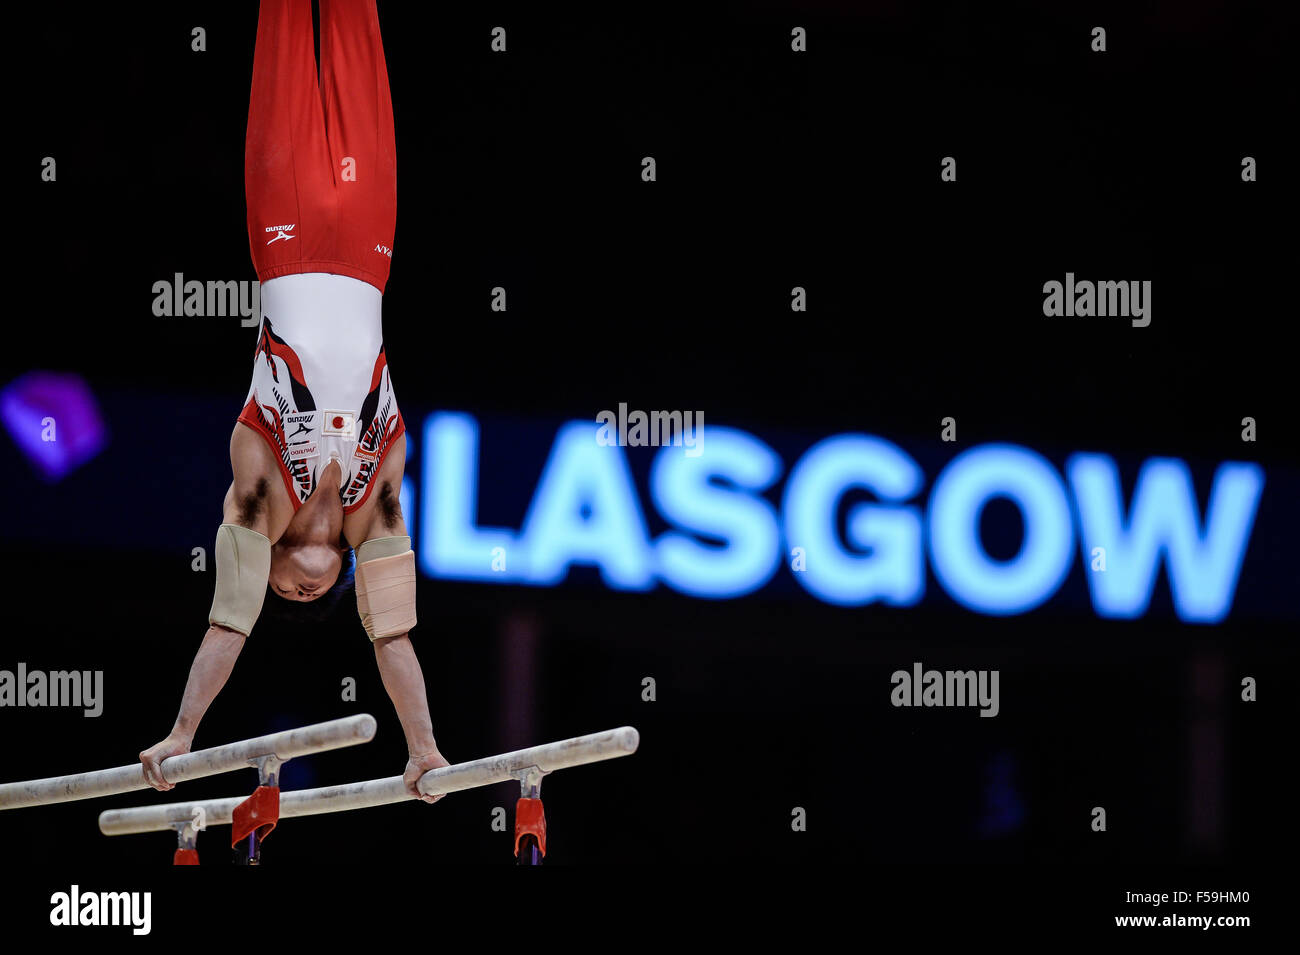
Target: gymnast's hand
(152,759)
(416,767)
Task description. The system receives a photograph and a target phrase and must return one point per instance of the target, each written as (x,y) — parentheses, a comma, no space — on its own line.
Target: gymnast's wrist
(421,750)
(182,735)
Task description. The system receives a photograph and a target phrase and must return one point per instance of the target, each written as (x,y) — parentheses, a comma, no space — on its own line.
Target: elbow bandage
(386,586)
(243,566)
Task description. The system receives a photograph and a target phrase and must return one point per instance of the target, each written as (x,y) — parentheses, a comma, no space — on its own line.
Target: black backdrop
(774,170)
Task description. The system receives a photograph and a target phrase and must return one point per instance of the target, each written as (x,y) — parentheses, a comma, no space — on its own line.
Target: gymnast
(319,448)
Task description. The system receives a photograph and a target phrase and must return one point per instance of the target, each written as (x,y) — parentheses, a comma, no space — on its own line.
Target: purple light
(54,419)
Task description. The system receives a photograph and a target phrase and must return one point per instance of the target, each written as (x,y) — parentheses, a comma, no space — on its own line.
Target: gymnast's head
(305,569)
(309,556)
(312,568)
(291,606)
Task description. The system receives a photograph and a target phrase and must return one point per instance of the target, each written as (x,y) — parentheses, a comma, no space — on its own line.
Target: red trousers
(320,164)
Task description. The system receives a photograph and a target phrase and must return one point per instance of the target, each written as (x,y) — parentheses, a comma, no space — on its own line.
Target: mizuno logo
(384,250)
(281,232)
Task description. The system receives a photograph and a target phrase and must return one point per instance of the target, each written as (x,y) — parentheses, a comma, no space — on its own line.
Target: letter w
(1204,565)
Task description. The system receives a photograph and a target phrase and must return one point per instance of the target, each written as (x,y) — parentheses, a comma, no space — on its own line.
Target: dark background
(774,169)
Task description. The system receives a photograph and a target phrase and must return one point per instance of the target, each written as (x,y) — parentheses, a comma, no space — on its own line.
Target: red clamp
(186,857)
(530,820)
(259,812)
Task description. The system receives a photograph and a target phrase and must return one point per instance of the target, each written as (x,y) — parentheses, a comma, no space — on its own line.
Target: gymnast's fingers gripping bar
(206,762)
(380,792)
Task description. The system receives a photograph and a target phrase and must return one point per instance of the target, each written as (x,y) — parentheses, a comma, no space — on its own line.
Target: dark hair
(298,614)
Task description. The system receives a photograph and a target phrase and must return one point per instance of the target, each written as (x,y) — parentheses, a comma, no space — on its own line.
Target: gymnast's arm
(381,518)
(249,505)
(404,681)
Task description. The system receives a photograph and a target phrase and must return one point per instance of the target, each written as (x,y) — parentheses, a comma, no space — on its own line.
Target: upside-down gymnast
(319,448)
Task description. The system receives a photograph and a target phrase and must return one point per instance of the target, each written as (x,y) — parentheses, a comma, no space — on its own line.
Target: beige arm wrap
(386,586)
(243,566)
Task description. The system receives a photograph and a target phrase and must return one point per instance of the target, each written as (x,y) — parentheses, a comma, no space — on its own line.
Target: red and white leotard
(320,176)
(321,390)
